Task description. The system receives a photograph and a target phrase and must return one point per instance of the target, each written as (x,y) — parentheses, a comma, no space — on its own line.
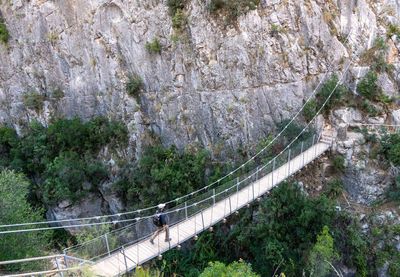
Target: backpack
(157,220)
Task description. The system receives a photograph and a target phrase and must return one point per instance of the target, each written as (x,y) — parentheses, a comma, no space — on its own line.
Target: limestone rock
(92,205)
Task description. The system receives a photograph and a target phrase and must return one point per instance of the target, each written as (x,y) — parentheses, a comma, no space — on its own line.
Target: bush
(163,174)
(4,35)
(34,101)
(368,86)
(390,148)
(393,30)
(61,158)
(338,163)
(134,86)
(175,5)
(67,174)
(154,47)
(327,88)
(8,140)
(236,269)
(394,191)
(293,130)
(334,189)
(310,110)
(179,19)
(233,8)
(14,208)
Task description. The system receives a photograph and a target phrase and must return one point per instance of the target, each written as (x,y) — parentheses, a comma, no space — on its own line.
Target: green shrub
(163,174)
(236,269)
(310,110)
(66,175)
(58,94)
(375,57)
(8,140)
(34,101)
(134,86)
(4,35)
(337,96)
(393,30)
(61,157)
(179,19)
(380,44)
(175,5)
(293,130)
(154,47)
(233,8)
(368,86)
(390,148)
(338,163)
(334,188)
(15,208)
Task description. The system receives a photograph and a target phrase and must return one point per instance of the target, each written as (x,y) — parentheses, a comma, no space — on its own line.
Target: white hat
(161,206)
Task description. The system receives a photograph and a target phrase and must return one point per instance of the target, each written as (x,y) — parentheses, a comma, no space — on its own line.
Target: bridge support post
(123,253)
(272,173)
(58,267)
(237,193)
(65,259)
(186,212)
(202,220)
(108,246)
(213,197)
(230,205)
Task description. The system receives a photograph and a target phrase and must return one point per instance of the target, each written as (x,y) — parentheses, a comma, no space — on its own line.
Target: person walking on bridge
(160,220)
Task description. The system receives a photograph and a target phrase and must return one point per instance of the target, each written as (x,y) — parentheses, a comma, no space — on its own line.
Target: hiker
(160,221)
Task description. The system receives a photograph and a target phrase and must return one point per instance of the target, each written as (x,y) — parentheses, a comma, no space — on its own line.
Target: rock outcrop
(211,83)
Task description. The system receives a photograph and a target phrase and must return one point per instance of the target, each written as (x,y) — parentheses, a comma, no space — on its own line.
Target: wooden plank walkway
(139,253)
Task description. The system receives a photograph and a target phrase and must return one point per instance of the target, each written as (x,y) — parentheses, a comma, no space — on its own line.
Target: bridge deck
(139,253)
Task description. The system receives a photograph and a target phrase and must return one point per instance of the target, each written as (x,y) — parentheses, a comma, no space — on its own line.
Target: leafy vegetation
(338,163)
(368,86)
(339,91)
(390,148)
(4,35)
(287,234)
(134,86)
(175,5)
(393,30)
(323,254)
(163,174)
(236,269)
(334,188)
(179,19)
(375,57)
(34,101)
(60,159)
(154,46)
(14,208)
(232,8)
(310,110)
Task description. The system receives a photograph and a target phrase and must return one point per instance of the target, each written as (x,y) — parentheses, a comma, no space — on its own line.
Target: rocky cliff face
(212,83)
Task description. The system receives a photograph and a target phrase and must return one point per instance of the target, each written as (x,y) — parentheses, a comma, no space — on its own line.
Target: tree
(235,269)
(14,208)
(322,254)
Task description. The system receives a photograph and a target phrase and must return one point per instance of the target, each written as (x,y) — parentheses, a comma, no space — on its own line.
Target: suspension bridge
(124,249)
(118,252)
